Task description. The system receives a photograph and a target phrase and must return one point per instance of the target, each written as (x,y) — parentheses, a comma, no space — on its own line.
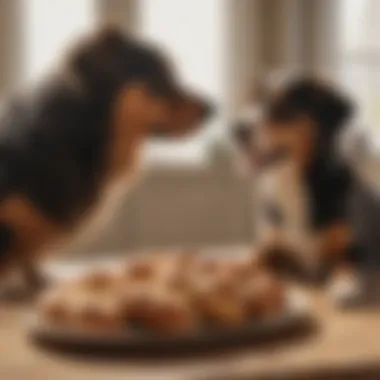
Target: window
(360,56)
(192,31)
(49,26)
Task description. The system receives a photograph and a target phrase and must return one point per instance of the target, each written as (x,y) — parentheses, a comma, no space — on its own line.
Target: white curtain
(360,57)
(34,33)
(11,42)
(49,27)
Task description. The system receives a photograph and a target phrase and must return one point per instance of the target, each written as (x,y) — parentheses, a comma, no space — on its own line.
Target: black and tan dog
(303,185)
(69,146)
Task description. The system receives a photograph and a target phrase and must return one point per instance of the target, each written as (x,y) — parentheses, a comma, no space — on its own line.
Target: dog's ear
(336,111)
(111,36)
(97,60)
(321,101)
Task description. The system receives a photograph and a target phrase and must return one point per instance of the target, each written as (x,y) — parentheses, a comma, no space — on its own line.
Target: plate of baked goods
(168,299)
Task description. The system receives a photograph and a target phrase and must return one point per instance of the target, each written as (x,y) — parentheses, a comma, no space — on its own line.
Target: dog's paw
(24,290)
(17,294)
(345,288)
(36,283)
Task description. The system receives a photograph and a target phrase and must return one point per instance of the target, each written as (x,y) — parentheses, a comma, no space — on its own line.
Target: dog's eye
(274,214)
(160,93)
(163,87)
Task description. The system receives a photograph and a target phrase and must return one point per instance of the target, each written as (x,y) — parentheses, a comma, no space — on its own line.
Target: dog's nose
(208,110)
(242,134)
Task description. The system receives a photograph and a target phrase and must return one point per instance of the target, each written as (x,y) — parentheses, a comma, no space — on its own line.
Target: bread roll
(160,310)
(217,302)
(263,296)
(98,280)
(53,307)
(100,315)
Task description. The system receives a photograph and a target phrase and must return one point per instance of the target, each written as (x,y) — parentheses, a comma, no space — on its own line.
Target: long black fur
(53,142)
(328,178)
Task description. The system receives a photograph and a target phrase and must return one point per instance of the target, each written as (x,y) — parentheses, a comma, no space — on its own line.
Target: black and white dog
(303,186)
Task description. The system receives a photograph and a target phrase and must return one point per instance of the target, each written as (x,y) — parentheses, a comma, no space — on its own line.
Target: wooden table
(346,343)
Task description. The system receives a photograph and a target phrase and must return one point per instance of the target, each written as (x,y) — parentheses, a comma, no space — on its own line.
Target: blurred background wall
(191,193)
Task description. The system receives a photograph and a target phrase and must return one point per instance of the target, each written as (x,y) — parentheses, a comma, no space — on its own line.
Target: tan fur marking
(32,230)
(128,129)
(334,242)
(127,133)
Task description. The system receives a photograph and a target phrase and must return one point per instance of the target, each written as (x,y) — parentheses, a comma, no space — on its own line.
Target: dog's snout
(207,110)
(242,133)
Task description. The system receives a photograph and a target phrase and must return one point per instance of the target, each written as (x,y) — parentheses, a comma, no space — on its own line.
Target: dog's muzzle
(258,155)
